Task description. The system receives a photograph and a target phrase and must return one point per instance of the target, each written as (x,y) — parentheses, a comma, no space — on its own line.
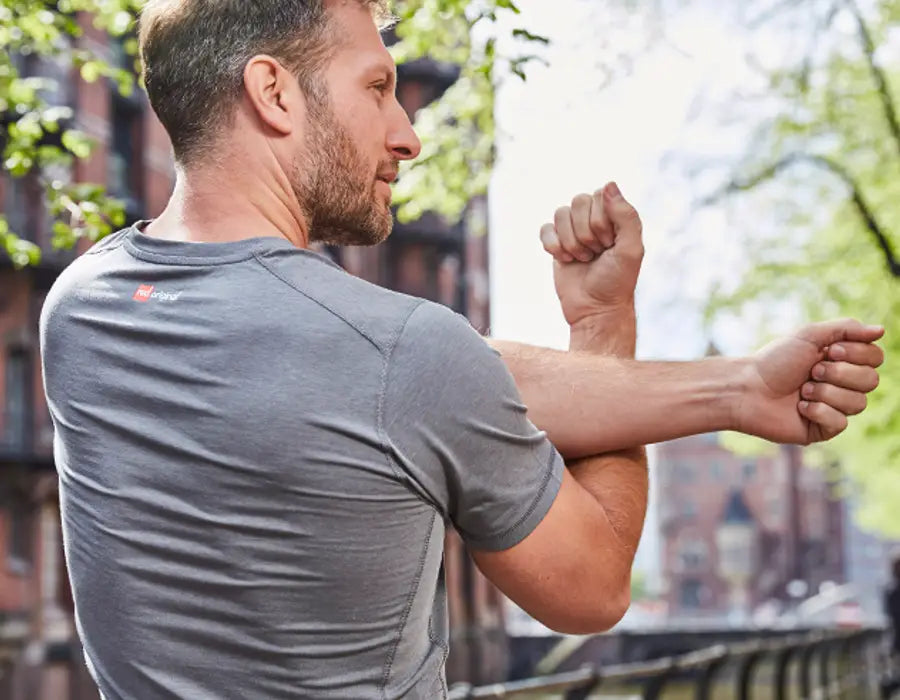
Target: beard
(336,187)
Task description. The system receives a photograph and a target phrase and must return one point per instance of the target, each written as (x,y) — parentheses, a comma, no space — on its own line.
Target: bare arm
(799,389)
(590,404)
(572,572)
(600,511)
(618,481)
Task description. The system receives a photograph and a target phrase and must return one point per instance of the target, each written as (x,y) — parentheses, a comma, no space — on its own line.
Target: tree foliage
(40,136)
(457,130)
(826,165)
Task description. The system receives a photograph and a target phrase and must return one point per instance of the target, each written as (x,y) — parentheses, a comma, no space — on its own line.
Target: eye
(381,87)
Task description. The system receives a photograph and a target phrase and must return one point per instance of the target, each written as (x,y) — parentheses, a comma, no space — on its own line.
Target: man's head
(307,82)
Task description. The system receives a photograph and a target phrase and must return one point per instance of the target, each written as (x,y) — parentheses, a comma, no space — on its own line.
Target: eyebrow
(388,70)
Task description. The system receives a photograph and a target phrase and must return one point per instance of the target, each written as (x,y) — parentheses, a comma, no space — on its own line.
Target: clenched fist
(597,249)
(801,389)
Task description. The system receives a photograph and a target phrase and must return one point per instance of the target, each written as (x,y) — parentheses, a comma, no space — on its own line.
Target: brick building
(446,263)
(754,524)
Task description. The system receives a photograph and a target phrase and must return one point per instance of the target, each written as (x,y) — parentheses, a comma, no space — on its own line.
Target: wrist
(611,331)
(737,403)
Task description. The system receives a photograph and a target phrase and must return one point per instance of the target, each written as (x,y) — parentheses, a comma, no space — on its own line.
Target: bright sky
(561,133)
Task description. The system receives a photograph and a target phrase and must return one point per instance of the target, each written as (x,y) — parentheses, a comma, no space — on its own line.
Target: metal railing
(817,665)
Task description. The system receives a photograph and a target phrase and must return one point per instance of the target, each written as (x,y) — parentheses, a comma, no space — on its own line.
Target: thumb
(830,332)
(625,220)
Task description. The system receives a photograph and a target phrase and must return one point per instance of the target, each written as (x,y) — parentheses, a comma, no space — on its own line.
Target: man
(259,454)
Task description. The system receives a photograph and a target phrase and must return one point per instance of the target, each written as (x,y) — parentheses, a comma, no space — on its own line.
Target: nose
(402,141)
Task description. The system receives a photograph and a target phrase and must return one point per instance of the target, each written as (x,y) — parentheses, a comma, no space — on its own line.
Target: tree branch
(859,201)
(881,84)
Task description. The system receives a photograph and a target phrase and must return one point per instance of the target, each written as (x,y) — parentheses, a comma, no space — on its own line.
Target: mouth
(387,193)
(388,177)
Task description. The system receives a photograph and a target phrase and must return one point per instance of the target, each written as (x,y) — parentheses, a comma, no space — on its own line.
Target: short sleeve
(456,426)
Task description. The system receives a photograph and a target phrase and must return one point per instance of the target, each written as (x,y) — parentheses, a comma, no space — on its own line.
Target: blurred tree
(457,130)
(826,166)
(39,137)
(639,585)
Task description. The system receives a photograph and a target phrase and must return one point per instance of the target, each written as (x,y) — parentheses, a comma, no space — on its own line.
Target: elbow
(599,613)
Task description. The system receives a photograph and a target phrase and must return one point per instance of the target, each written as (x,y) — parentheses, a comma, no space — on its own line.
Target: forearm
(618,481)
(590,404)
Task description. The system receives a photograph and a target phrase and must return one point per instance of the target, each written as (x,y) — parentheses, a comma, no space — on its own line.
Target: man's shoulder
(378,314)
(80,278)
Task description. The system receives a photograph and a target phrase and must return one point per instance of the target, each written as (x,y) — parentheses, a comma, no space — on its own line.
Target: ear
(273,93)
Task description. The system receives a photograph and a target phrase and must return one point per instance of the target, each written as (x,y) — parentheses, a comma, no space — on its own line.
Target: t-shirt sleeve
(456,427)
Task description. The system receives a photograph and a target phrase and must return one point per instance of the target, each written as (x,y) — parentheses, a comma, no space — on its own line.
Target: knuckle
(562,214)
(581,201)
(626,211)
(583,235)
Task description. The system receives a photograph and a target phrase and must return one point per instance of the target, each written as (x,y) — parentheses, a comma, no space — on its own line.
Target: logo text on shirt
(146,292)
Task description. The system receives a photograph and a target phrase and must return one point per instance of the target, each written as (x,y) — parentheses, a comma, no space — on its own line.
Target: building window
(24,208)
(16,413)
(749,470)
(689,593)
(693,555)
(125,152)
(19,542)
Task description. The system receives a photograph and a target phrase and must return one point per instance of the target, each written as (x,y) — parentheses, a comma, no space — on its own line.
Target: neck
(222,202)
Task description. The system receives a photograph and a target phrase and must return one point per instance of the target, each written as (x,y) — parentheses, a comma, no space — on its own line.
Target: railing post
(843,666)
(871,647)
(782,665)
(745,674)
(830,671)
(654,686)
(584,691)
(705,682)
(806,682)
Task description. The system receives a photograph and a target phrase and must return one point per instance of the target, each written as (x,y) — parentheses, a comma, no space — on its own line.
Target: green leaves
(39,141)
(458,130)
(828,261)
(77,143)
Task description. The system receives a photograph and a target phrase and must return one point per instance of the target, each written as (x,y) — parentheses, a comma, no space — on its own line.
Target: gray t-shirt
(258,456)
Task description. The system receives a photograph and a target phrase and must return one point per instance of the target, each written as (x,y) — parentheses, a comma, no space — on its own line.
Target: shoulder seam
(382,393)
(319,303)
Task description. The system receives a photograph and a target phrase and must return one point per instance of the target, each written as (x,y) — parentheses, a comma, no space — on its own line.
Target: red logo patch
(143,293)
